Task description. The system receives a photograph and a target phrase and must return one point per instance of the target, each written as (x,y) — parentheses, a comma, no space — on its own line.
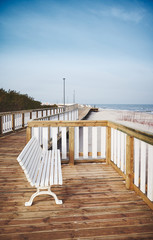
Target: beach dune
(138,120)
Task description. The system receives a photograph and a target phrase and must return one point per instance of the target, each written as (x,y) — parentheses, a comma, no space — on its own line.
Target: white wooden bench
(42,168)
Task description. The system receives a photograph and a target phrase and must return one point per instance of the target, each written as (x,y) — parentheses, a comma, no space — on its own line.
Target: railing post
(30,115)
(1,125)
(108,145)
(129,161)
(71,145)
(13,122)
(23,120)
(28,134)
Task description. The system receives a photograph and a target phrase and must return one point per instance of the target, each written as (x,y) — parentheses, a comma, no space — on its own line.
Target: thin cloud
(135,15)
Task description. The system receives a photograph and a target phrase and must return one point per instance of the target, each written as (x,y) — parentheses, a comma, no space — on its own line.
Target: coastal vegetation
(14,101)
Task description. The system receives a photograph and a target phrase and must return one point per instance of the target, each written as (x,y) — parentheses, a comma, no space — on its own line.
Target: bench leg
(49,192)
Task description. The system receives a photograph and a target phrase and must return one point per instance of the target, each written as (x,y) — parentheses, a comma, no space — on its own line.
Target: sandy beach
(138,120)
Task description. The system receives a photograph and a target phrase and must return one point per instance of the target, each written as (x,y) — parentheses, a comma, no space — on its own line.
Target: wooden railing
(129,151)
(132,156)
(12,121)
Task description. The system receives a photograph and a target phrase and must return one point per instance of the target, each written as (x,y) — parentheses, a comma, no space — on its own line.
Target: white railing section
(47,134)
(132,154)
(143,167)
(142,160)
(16,120)
(26,118)
(89,142)
(34,116)
(71,115)
(7,123)
(44,113)
(118,149)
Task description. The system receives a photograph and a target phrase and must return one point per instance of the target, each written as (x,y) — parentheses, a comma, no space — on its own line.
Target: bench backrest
(30,157)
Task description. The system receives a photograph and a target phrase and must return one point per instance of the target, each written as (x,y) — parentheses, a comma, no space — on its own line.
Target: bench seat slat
(42,183)
(48,169)
(34,164)
(52,168)
(59,168)
(36,171)
(41,166)
(55,169)
(32,159)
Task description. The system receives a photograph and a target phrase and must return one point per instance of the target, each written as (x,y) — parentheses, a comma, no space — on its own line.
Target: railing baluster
(54,137)
(103,142)
(136,161)
(143,168)
(122,152)
(150,173)
(115,146)
(71,145)
(94,142)
(64,143)
(76,142)
(85,142)
(119,149)
(112,144)
(45,138)
(35,133)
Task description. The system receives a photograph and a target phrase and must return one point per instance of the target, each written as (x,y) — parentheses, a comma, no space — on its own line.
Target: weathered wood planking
(96,203)
(83,112)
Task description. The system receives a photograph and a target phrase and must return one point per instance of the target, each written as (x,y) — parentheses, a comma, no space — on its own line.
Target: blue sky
(104,49)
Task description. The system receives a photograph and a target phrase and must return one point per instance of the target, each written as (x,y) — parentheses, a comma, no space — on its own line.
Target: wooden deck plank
(96,203)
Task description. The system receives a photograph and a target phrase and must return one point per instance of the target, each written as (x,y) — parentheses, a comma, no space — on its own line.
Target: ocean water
(130,107)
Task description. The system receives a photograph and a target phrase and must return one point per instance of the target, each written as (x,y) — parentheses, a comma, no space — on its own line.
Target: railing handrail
(62,123)
(141,135)
(37,109)
(144,136)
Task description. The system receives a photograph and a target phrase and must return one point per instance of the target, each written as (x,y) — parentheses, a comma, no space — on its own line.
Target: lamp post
(64,92)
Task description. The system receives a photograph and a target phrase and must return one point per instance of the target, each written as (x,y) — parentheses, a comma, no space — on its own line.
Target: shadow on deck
(96,203)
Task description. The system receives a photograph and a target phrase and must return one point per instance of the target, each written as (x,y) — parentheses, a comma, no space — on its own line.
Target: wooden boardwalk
(83,111)
(96,203)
